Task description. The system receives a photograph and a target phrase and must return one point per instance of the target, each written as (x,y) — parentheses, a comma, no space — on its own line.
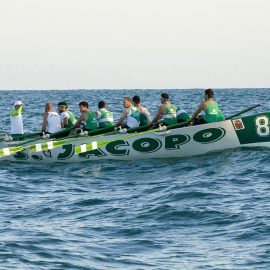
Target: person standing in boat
(145,116)
(166,112)
(68,119)
(130,117)
(210,112)
(88,118)
(16,119)
(51,120)
(104,117)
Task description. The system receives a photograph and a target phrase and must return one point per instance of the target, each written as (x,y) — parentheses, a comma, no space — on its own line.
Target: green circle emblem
(209,135)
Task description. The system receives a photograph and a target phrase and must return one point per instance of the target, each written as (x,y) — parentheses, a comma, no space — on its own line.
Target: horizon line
(111,89)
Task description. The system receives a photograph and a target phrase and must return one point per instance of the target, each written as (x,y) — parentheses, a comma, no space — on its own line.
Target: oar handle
(243,111)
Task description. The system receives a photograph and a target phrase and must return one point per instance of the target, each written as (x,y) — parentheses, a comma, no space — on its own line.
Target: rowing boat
(175,141)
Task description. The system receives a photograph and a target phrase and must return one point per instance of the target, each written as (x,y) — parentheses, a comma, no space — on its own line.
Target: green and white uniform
(145,116)
(71,118)
(133,117)
(16,121)
(212,113)
(181,115)
(105,118)
(169,117)
(91,122)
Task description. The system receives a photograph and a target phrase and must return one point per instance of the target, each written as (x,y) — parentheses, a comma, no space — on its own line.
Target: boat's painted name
(144,145)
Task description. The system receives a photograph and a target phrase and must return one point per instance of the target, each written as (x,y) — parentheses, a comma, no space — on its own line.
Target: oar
(68,140)
(21,146)
(50,144)
(21,137)
(99,144)
(243,111)
(58,143)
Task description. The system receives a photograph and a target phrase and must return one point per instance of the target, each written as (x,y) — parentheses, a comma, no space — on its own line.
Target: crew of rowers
(134,115)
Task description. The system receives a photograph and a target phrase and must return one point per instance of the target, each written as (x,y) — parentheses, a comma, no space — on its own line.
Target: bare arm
(80,120)
(122,118)
(160,112)
(202,106)
(64,123)
(44,122)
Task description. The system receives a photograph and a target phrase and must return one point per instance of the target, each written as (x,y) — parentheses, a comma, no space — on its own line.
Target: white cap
(18,103)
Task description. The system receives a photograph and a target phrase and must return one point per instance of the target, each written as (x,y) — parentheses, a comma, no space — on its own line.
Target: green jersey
(181,115)
(212,113)
(91,122)
(105,118)
(133,117)
(169,117)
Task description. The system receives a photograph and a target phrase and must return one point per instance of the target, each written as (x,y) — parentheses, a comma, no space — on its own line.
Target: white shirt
(53,122)
(16,124)
(131,122)
(63,116)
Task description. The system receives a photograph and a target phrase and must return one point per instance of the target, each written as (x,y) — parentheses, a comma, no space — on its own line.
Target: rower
(51,120)
(166,112)
(145,116)
(104,117)
(209,108)
(16,119)
(181,115)
(131,116)
(88,118)
(68,118)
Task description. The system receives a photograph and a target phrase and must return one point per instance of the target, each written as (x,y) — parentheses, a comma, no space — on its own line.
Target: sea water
(203,212)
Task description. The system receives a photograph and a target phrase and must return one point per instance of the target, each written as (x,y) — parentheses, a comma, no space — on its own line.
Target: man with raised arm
(145,116)
(16,120)
(88,118)
(131,116)
(210,112)
(51,120)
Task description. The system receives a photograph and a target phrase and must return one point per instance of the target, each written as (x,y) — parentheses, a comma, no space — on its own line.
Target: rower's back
(90,123)
(181,115)
(169,116)
(212,113)
(53,122)
(145,116)
(133,117)
(104,116)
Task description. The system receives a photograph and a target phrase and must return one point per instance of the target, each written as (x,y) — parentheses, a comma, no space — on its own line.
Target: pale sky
(110,44)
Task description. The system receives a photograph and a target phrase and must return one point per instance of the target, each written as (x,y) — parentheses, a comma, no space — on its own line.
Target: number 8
(262,124)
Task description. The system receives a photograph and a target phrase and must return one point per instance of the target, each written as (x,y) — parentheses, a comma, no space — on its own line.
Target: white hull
(179,142)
